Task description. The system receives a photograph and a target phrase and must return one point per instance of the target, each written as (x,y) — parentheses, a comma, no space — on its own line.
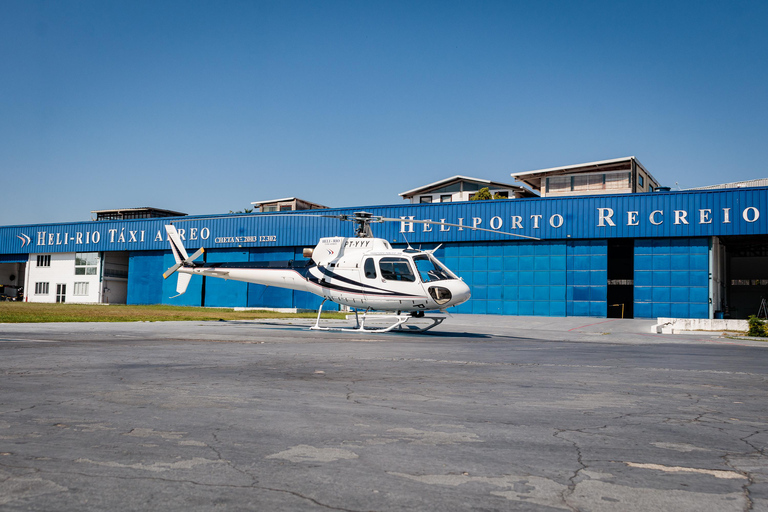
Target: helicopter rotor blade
(196,255)
(462,226)
(362,218)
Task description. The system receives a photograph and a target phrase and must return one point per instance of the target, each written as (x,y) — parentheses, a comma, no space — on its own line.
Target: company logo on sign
(25,240)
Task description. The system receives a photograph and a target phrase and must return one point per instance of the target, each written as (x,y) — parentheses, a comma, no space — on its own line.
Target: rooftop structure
(135,213)
(618,176)
(286,204)
(462,188)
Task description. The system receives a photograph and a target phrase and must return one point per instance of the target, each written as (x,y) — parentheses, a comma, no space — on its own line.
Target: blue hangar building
(683,254)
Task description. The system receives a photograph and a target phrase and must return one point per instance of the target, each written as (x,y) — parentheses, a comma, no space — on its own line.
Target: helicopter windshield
(431,270)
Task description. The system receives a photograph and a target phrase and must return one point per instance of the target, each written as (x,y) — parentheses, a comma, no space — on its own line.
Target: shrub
(482,195)
(756,327)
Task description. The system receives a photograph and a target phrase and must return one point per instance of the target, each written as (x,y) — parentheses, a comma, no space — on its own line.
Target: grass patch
(32,312)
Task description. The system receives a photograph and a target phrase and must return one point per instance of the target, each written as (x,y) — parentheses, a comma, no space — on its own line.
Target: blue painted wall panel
(587,277)
(145,277)
(672,278)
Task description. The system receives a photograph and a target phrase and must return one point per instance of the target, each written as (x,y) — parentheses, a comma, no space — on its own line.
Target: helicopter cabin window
(369,268)
(396,269)
(431,269)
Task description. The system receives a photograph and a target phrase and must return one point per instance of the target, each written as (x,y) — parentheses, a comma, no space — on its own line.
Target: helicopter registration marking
(245,239)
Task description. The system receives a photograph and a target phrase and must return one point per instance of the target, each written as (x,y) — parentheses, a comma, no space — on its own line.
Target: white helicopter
(361,272)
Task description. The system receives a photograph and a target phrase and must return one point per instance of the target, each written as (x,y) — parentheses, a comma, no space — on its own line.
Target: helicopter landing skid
(399,323)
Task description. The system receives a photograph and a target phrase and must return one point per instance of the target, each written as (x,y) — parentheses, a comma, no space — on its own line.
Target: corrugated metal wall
(656,215)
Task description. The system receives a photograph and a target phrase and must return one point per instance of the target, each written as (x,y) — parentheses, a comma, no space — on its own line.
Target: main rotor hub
(363,220)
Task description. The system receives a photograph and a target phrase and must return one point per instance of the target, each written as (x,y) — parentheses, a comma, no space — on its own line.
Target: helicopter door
(369,277)
(397,279)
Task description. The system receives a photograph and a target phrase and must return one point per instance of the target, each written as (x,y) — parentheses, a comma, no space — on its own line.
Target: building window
(587,182)
(617,181)
(446,198)
(640,180)
(41,288)
(425,199)
(558,184)
(501,195)
(43,260)
(86,263)
(81,289)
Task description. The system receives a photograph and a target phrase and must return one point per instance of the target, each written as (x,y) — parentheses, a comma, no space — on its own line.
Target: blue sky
(203,107)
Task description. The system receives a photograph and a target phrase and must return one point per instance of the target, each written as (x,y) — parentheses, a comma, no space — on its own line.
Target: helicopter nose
(450,293)
(461,293)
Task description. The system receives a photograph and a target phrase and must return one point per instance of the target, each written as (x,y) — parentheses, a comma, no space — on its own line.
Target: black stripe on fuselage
(302,267)
(387,294)
(366,287)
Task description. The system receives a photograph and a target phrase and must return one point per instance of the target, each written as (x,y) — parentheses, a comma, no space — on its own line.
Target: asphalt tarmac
(483,413)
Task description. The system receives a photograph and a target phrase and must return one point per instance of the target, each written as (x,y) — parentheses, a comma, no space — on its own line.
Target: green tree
(482,195)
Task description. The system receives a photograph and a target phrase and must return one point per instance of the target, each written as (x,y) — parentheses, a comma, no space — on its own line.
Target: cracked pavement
(270,416)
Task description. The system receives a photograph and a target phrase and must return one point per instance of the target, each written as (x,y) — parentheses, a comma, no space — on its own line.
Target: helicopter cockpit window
(430,269)
(369,268)
(396,269)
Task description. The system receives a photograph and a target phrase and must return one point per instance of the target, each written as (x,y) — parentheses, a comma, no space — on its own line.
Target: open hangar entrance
(114,284)
(740,274)
(621,284)
(12,272)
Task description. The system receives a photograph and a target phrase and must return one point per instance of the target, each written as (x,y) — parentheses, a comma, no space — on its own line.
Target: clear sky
(203,107)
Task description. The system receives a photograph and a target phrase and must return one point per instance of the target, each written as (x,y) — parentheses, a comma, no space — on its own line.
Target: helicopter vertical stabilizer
(177,247)
(182,283)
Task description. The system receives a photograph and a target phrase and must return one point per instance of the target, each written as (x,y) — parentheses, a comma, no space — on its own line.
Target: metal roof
(286,199)
(170,213)
(760,182)
(585,167)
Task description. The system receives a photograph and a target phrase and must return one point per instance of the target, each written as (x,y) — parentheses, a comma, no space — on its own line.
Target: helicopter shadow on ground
(400,332)
(472,336)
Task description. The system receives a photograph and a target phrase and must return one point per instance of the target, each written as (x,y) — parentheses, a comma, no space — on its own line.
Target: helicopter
(361,272)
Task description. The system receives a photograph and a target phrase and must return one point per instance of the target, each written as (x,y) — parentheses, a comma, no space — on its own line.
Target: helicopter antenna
(407,242)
